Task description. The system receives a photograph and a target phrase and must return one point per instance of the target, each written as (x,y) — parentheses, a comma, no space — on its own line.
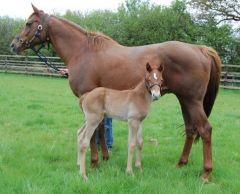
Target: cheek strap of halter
(148,86)
(41,56)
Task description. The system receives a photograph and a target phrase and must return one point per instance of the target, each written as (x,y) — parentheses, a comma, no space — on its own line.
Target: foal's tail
(214,81)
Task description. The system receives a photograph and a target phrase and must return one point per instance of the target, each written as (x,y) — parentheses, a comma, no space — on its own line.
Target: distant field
(39,118)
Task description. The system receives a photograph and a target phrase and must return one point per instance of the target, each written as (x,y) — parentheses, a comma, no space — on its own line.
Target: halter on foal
(129,105)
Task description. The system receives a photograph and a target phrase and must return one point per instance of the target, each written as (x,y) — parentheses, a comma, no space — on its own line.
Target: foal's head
(154,80)
(34,33)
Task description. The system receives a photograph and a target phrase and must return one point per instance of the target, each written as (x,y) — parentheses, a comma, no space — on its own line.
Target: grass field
(39,118)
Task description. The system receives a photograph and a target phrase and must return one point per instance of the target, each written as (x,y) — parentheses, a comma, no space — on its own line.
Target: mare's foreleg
(132,141)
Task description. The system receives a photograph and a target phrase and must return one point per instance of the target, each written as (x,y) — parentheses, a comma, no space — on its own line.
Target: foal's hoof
(138,165)
(85,178)
(129,172)
(181,163)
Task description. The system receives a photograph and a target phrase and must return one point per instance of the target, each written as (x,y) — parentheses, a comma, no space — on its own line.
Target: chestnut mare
(128,105)
(191,72)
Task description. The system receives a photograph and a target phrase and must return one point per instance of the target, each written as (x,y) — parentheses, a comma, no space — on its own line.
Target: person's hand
(63,72)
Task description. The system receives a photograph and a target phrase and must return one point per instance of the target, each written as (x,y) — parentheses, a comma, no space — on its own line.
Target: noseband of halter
(149,87)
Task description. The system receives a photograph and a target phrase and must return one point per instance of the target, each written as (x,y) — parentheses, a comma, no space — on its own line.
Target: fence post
(5,64)
(25,64)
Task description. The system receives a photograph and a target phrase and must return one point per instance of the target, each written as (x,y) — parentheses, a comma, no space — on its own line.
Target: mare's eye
(28,24)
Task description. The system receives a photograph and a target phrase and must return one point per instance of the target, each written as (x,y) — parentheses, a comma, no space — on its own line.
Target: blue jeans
(108,132)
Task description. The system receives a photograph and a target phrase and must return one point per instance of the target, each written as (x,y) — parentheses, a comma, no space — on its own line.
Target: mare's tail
(214,81)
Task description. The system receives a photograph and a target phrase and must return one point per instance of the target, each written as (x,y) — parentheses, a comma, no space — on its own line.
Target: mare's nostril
(12,45)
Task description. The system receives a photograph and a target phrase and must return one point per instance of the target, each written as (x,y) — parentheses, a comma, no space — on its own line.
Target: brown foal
(191,72)
(128,105)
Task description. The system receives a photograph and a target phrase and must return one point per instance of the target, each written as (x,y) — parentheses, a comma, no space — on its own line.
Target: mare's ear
(160,68)
(36,10)
(148,67)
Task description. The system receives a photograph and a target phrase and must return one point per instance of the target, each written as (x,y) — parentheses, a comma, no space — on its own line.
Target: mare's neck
(68,40)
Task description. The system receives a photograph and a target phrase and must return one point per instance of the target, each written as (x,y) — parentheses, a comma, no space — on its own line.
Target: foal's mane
(96,40)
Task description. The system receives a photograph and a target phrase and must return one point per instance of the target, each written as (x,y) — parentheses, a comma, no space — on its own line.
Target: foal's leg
(132,141)
(102,141)
(79,133)
(139,148)
(84,140)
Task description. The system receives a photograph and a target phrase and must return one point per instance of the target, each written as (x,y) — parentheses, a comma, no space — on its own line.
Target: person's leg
(108,131)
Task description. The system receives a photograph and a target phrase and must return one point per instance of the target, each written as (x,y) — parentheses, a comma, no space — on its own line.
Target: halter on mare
(37,35)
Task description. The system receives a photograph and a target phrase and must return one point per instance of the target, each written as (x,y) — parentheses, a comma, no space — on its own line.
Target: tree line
(139,22)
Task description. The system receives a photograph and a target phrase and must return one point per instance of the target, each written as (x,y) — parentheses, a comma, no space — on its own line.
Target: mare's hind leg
(132,141)
(189,132)
(197,119)
(94,150)
(139,148)
(102,141)
(93,145)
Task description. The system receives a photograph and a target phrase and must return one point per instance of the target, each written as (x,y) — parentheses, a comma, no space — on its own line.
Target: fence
(29,65)
(230,77)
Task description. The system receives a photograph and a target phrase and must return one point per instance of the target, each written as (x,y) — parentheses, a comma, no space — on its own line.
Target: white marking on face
(155,76)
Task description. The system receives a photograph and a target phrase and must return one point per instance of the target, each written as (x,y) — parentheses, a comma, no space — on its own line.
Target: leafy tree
(139,22)
(8,29)
(221,10)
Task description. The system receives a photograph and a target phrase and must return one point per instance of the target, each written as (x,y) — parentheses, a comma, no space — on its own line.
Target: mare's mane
(95,40)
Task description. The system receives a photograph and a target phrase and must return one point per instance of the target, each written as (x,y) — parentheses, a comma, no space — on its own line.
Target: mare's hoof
(205,179)
(105,157)
(205,176)
(94,163)
(181,163)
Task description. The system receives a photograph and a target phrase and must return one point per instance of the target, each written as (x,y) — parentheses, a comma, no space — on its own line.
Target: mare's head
(34,33)
(154,80)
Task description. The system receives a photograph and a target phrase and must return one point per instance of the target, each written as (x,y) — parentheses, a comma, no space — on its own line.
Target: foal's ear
(36,10)
(160,68)
(148,67)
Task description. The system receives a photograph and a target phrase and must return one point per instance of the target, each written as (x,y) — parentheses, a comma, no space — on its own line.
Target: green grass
(39,118)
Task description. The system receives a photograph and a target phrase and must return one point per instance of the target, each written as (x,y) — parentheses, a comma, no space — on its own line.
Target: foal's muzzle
(155,92)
